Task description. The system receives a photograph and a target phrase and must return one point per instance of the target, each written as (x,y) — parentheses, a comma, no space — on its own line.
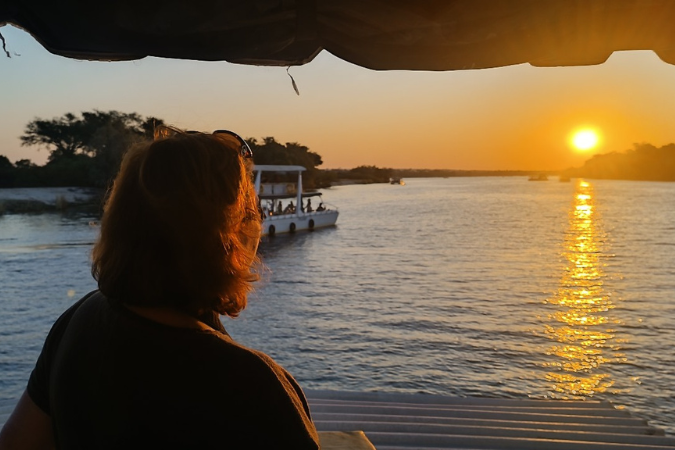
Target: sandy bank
(21,200)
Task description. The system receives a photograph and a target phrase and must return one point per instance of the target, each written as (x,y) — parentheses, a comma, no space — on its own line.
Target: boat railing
(329,207)
(330,210)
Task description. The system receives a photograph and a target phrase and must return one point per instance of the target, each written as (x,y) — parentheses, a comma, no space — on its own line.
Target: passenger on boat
(290,208)
(262,210)
(308,208)
(320,207)
(145,362)
(279,208)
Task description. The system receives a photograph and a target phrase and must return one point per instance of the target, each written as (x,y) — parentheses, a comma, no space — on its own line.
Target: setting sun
(585,139)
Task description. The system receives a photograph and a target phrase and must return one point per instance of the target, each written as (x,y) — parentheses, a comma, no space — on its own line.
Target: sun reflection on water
(581,325)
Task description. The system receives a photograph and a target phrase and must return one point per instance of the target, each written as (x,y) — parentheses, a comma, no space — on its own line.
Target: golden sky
(511,118)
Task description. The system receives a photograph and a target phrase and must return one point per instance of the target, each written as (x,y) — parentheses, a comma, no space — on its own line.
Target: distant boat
(397,181)
(292,218)
(563,178)
(538,177)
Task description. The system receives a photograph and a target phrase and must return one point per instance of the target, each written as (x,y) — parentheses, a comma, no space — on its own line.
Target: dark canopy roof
(378,34)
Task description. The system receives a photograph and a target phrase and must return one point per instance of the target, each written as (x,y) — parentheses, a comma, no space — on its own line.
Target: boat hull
(290,223)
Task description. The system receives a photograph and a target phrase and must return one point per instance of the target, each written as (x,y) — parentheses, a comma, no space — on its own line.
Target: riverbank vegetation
(85,150)
(644,162)
(269,151)
(445,173)
(360,174)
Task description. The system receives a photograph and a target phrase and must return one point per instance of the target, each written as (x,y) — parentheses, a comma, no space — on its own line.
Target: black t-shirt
(110,378)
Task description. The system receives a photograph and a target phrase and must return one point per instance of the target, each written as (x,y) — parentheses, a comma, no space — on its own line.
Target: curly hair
(180,227)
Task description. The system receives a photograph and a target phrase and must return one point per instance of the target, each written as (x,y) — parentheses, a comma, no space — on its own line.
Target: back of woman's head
(180,227)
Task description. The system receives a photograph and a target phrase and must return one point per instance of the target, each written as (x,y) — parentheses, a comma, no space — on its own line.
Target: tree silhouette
(93,142)
(643,162)
(292,153)
(87,150)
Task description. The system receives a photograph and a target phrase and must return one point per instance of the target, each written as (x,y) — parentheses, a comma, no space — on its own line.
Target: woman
(145,361)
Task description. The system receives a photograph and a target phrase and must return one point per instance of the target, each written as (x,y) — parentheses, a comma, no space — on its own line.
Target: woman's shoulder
(235,354)
(64,319)
(243,366)
(254,394)
(265,394)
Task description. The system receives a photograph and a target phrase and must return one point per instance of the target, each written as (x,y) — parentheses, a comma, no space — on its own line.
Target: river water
(459,286)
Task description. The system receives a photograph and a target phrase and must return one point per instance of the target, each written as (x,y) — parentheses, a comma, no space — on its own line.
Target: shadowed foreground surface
(405,421)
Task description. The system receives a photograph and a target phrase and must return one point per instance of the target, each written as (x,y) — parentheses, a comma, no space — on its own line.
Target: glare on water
(580,323)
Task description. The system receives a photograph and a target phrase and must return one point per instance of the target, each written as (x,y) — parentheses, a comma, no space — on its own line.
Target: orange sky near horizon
(512,118)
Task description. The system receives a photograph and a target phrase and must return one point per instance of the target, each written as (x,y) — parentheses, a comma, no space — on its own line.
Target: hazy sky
(517,117)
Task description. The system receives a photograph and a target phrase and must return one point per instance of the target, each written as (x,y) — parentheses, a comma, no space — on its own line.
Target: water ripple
(460,286)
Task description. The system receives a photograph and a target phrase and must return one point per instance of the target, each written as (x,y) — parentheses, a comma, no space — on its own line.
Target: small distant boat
(538,177)
(563,179)
(397,181)
(289,217)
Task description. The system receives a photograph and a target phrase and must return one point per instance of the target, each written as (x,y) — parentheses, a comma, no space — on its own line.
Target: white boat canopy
(275,168)
(260,168)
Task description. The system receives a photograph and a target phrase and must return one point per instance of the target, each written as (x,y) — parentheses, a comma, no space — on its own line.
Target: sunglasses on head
(244,149)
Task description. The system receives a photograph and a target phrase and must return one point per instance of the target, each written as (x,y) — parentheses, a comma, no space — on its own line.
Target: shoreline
(347,182)
(47,199)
